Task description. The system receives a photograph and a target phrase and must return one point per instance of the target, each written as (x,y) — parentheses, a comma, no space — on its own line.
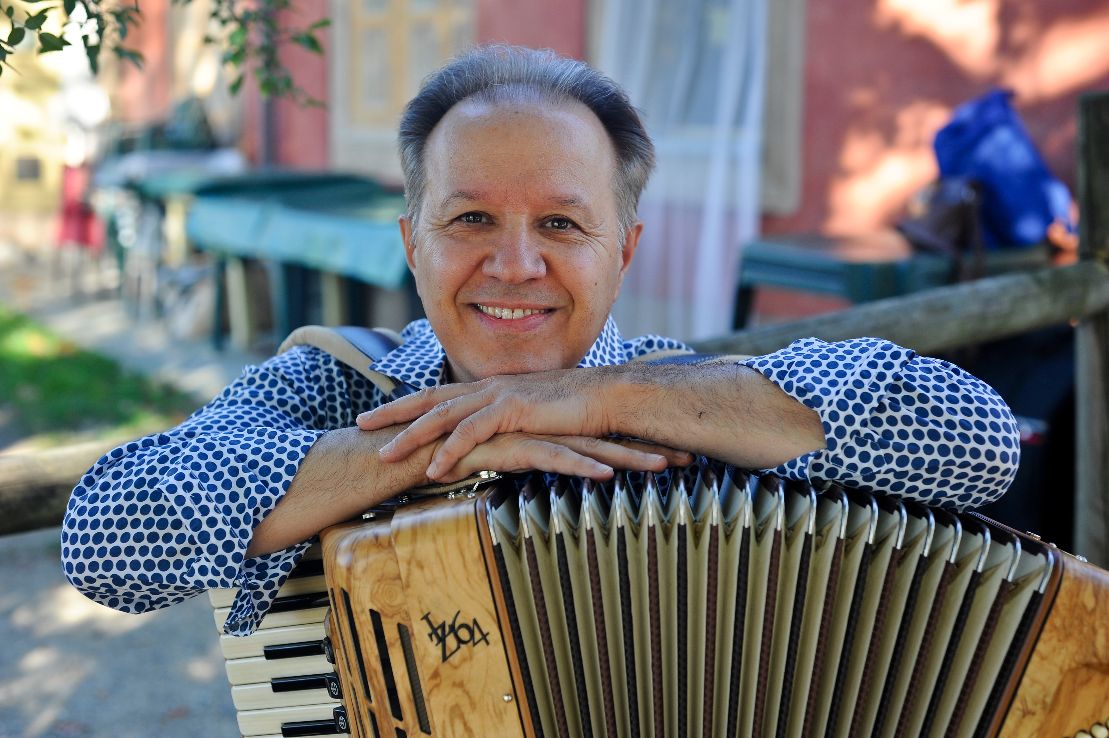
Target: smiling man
(522,174)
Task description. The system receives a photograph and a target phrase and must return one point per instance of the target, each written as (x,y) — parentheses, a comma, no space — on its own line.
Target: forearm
(340,477)
(723,411)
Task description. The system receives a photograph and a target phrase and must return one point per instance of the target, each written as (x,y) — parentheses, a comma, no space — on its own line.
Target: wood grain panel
(1065,688)
(466,677)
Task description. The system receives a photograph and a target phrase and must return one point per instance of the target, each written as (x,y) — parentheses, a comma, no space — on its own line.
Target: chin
(519,365)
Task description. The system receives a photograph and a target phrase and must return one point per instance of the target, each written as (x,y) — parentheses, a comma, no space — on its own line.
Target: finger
(409,408)
(673,456)
(467,434)
(440,420)
(614,453)
(515,452)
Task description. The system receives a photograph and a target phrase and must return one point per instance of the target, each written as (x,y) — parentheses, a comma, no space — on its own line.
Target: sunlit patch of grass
(55,392)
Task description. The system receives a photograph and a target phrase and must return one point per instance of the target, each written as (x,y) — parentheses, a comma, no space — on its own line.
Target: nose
(515,257)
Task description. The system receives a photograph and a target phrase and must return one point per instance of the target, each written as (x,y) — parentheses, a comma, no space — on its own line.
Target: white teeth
(508,313)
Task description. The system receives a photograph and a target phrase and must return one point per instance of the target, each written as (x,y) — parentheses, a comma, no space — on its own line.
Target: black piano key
(308,728)
(330,682)
(299,602)
(296,650)
(338,724)
(307,568)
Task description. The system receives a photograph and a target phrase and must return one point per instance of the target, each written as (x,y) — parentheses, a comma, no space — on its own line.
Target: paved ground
(70,668)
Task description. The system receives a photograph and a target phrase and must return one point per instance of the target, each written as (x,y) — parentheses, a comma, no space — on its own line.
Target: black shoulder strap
(677,356)
(355,346)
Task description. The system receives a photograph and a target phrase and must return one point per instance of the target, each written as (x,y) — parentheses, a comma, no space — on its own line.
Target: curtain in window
(696,70)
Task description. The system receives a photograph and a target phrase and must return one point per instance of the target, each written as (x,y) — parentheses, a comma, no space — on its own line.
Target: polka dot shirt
(170,515)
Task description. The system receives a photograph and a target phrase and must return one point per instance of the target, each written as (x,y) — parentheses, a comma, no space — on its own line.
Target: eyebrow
(561,201)
(460,195)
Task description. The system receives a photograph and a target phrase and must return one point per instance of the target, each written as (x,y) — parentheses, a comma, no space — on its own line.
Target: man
(522,172)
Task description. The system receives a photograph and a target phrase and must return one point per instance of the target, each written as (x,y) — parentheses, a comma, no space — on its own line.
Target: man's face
(517,252)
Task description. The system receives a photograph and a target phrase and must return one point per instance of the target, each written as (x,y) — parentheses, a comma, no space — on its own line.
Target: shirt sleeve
(898,423)
(171,515)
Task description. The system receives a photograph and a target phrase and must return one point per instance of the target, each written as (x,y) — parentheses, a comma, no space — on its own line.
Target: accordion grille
(725,603)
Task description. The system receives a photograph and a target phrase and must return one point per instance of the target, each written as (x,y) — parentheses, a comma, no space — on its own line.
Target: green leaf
(236,85)
(308,41)
(70,6)
(3,55)
(236,57)
(237,37)
(129,55)
(10,10)
(36,21)
(16,36)
(49,42)
(322,23)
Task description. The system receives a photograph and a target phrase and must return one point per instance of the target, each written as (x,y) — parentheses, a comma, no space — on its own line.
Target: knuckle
(467,429)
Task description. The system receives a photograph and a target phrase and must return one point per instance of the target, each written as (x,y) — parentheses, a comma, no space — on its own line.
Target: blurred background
(158,231)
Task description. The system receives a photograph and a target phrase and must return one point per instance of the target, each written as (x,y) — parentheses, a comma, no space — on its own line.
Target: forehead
(514,145)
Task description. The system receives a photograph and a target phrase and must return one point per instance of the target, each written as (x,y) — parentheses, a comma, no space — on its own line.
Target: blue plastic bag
(986,142)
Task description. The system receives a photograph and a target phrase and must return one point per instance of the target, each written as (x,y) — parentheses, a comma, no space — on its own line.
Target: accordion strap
(355,346)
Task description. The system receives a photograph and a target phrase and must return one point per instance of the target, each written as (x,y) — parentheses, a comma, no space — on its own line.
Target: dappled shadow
(73,668)
(882,76)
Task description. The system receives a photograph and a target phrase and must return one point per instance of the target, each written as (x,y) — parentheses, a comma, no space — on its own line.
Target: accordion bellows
(722,604)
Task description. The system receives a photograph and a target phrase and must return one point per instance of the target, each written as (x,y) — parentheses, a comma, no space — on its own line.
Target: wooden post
(1091,534)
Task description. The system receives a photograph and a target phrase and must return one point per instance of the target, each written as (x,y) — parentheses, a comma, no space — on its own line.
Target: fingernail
(433,470)
(386,449)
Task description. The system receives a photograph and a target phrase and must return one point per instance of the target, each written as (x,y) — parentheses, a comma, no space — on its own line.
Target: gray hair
(496,74)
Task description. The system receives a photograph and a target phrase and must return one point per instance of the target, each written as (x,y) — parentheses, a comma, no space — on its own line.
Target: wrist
(627,394)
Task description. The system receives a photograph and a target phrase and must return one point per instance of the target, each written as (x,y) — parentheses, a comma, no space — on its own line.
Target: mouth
(511,313)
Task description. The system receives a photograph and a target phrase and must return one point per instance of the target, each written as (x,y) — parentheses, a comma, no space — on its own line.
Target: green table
(857,268)
(333,230)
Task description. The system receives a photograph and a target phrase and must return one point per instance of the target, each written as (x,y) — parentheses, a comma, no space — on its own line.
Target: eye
(472,218)
(560,224)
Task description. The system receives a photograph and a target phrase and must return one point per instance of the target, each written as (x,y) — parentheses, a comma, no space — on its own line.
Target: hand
(561,403)
(574,455)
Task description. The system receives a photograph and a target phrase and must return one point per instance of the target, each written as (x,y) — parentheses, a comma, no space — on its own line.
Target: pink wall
(881,76)
(301,132)
(143,95)
(536,23)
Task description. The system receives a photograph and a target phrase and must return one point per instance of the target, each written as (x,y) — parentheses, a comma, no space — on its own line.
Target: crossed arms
(558,421)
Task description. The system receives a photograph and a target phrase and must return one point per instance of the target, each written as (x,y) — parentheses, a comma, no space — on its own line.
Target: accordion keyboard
(282,677)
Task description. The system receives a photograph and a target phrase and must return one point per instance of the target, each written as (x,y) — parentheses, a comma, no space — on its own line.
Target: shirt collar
(421,362)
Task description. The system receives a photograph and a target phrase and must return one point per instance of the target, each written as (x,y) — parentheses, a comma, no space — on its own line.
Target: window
(382,51)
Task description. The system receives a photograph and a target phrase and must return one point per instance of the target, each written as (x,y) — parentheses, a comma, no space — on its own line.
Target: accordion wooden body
(705,602)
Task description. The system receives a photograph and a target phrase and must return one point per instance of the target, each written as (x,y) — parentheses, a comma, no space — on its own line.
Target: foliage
(249,31)
(54,391)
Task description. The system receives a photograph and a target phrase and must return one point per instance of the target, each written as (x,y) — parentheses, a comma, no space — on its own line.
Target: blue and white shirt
(171,515)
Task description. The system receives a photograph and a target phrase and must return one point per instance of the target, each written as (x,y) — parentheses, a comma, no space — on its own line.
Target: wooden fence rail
(944,318)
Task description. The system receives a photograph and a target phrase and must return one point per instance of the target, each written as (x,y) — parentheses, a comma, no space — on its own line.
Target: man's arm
(725,411)
(228,498)
(343,475)
(887,420)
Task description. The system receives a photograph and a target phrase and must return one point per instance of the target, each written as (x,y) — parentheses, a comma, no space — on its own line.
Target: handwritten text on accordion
(452,636)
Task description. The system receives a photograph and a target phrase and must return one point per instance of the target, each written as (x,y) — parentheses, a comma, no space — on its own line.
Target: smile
(510,313)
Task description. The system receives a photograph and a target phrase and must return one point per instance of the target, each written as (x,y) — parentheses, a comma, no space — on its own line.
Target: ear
(407,235)
(631,242)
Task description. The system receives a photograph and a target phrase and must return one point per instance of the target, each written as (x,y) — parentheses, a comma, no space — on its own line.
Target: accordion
(707,601)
